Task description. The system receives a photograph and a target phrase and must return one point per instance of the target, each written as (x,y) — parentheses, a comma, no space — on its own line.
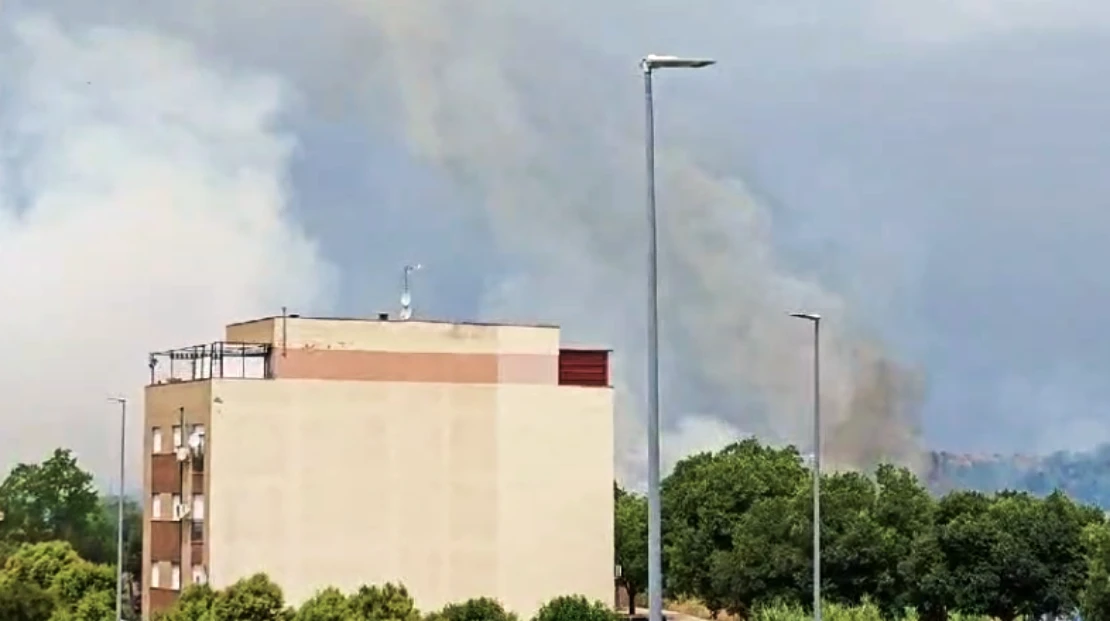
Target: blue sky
(928,174)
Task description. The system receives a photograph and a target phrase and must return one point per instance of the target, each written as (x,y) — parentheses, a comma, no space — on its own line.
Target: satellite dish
(196,440)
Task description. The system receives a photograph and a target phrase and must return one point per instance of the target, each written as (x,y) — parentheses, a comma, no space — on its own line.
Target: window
(155,576)
(175,577)
(196,445)
(177,440)
(196,532)
(198,507)
(177,506)
(199,575)
(156,440)
(156,506)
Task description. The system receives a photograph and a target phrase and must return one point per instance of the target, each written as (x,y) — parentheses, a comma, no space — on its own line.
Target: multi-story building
(461,460)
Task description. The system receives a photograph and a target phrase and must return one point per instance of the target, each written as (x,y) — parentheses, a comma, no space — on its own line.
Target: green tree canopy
(1094,603)
(703,501)
(630,530)
(389,602)
(54,500)
(81,579)
(255,598)
(478,609)
(575,608)
(194,604)
(24,601)
(329,604)
(40,563)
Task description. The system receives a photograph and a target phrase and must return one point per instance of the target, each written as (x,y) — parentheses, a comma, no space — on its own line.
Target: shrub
(479,609)
(575,608)
(24,601)
(329,604)
(390,602)
(255,598)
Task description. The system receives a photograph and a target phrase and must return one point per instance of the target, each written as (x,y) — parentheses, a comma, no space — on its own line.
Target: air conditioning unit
(180,511)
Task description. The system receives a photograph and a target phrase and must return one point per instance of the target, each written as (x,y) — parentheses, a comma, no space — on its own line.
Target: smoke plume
(147,192)
(142,205)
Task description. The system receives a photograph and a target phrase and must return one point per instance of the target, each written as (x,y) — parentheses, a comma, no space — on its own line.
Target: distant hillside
(1083,476)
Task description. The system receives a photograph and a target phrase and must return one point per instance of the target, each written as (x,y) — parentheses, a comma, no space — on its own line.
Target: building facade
(461,460)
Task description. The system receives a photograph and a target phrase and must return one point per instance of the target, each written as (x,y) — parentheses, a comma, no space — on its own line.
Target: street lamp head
(656,61)
(808,316)
(117,399)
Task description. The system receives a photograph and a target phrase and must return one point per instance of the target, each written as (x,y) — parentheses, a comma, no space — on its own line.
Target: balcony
(218,360)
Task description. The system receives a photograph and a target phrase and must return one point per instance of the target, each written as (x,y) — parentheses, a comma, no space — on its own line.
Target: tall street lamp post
(816,321)
(655,524)
(119,509)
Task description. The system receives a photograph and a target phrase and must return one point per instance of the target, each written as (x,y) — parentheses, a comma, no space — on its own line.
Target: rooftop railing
(218,360)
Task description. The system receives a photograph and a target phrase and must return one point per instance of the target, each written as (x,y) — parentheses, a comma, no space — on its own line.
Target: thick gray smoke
(146,188)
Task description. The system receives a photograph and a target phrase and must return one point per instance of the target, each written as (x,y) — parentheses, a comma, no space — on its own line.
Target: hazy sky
(929,174)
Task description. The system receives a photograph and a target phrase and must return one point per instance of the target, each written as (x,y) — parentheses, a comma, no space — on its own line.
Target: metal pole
(119,509)
(655,522)
(817,469)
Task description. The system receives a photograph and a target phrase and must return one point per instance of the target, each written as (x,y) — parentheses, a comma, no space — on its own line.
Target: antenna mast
(406,293)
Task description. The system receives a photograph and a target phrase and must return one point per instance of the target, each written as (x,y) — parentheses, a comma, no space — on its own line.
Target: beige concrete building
(461,460)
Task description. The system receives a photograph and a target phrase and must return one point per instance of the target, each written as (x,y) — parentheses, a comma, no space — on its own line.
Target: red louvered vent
(583,367)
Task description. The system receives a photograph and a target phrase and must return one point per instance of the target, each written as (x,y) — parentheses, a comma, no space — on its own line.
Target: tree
(21,600)
(81,580)
(966,538)
(930,585)
(96,606)
(1054,533)
(768,558)
(904,511)
(256,598)
(479,609)
(329,604)
(575,608)
(1007,556)
(390,602)
(630,525)
(75,588)
(194,604)
(54,500)
(100,544)
(1094,600)
(853,552)
(704,498)
(40,563)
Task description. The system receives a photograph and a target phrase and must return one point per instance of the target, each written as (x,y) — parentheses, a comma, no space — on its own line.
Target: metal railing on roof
(218,360)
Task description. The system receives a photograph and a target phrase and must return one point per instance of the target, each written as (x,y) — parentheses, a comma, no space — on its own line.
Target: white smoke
(155,176)
(143,205)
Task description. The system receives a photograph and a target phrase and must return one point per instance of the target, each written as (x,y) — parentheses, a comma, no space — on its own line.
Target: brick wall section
(445,368)
(165,541)
(165,474)
(162,599)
